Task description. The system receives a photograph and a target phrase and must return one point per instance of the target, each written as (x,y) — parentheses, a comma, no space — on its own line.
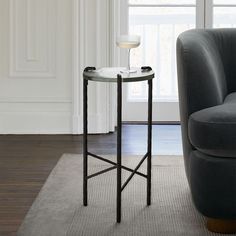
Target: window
(224,13)
(158,22)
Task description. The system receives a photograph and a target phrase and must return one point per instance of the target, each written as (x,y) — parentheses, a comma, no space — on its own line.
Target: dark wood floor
(27,160)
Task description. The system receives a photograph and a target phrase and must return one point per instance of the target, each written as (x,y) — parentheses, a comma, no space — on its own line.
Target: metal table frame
(117,165)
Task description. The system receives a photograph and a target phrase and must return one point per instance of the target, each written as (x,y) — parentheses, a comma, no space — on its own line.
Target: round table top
(109,74)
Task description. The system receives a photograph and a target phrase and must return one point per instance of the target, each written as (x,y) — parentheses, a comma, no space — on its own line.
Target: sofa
(206,66)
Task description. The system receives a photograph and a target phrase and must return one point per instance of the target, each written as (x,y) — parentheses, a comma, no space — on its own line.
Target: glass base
(128,71)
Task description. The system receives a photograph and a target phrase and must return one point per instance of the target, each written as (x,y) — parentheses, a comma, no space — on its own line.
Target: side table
(114,75)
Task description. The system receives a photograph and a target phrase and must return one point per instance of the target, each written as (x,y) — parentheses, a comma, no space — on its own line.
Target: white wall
(44,46)
(35,66)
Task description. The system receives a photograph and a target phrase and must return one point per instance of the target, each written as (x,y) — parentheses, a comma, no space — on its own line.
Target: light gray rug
(58,209)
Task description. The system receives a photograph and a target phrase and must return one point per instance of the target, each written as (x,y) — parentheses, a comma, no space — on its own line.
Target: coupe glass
(128,42)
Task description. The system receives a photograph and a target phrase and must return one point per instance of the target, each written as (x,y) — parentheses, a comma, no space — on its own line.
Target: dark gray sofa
(206,62)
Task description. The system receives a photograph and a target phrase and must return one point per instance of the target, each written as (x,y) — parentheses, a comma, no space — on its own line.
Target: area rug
(58,209)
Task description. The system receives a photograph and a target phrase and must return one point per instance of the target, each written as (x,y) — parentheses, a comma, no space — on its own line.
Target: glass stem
(129,59)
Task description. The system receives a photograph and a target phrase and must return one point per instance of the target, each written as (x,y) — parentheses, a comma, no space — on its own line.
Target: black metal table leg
(119,144)
(149,149)
(85,143)
(90,73)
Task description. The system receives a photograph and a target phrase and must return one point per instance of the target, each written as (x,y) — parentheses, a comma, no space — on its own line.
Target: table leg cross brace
(135,171)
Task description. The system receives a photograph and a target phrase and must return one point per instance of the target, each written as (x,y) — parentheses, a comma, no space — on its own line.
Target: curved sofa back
(205,73)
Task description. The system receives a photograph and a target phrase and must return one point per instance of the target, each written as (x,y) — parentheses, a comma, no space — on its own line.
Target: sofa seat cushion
(213,130)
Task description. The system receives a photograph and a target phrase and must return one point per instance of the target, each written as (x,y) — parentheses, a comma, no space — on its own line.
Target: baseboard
(35,122)
(154,122)
(49,122)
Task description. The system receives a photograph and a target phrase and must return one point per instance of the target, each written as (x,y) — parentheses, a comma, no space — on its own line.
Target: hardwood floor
(27,160)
